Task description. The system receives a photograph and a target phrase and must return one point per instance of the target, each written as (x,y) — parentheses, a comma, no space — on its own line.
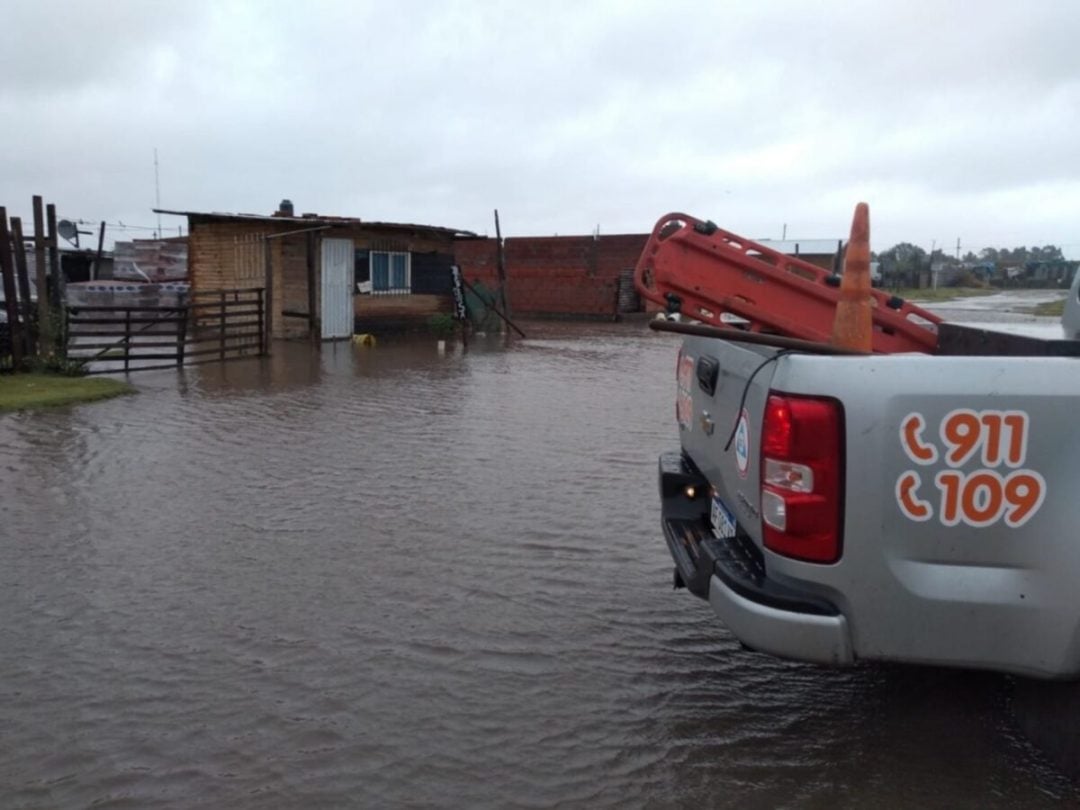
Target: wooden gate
(210,326)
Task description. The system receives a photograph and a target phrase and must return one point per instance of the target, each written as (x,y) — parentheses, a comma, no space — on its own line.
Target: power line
(119,226)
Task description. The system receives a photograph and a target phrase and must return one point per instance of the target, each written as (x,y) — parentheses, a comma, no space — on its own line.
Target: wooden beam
(500,267)
(40,279)
(54,256)
(11,298)
(97,258)
(26,301)
(494,308)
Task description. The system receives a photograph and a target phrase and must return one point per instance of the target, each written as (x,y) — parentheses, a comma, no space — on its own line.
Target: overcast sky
(951,119)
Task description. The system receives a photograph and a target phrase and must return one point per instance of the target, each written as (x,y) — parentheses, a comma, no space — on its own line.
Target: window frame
(390,254)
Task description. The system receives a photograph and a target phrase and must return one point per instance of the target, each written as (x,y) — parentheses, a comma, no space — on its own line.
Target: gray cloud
(950,122)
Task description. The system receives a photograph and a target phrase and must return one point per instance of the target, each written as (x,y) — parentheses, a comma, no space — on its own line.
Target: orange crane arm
(704,272)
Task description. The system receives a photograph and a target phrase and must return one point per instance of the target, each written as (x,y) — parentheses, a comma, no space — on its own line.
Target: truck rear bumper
(785,633)
(730,572)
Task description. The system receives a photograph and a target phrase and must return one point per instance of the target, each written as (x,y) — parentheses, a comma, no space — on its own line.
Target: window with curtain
(390,272)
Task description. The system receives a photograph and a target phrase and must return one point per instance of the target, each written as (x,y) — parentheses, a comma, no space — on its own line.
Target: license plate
(723,522)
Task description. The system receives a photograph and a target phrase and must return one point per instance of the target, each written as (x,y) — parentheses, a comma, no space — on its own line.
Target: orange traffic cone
(854,322)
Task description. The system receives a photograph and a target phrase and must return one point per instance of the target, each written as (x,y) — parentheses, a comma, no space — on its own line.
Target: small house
(325,276)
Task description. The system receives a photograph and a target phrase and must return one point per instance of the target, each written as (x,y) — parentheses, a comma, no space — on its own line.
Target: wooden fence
(212,326)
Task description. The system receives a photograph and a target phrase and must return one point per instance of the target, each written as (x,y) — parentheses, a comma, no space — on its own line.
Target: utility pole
(157,193)
(933,275)
(958,248)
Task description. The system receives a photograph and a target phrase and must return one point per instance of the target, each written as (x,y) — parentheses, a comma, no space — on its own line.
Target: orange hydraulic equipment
(705,273)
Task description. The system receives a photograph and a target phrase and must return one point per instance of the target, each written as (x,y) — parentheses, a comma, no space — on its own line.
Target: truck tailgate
(960,539)
(722,392)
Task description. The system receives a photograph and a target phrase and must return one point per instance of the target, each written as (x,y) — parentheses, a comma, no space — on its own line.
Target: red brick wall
(555,275)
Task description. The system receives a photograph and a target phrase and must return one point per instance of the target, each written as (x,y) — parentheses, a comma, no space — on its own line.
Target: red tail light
(802,451)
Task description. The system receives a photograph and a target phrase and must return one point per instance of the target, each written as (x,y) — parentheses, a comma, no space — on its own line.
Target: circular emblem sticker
(742,444)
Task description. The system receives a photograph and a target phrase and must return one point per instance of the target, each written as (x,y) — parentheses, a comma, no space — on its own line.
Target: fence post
(181,335)
(11,297)
(23,279)
(41,281)
(55,270)
(127,340)
(221,325)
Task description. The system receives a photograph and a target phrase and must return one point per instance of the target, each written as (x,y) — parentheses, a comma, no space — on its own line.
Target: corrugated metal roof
(317,220)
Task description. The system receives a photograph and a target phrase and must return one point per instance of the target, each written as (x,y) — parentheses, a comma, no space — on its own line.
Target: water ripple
(393,578)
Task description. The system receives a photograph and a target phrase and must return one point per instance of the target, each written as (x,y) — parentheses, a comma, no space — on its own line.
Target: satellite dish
(68,229)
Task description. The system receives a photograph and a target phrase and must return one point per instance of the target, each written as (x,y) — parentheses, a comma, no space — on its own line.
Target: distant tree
(939,256)
(1047,253)
(1021,255)
(1022,266)
(901,264)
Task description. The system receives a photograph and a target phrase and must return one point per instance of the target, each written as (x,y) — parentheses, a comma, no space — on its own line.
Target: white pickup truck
(908,507)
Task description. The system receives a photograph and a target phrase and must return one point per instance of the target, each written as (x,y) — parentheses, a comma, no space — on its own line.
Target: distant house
(945,274)
(325,276)
(151,260)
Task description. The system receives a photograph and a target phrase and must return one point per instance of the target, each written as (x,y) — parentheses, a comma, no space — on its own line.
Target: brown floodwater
(392,577)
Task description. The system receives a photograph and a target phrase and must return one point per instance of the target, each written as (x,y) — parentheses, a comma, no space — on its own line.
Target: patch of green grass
(942,293)
(22,391)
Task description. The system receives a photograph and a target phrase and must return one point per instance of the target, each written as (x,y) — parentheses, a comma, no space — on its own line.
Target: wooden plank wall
(215,260)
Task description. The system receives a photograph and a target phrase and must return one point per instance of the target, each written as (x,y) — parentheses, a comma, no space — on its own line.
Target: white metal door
(337,283)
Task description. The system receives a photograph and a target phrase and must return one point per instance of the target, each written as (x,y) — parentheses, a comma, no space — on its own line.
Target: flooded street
(394,578)
(1011,306)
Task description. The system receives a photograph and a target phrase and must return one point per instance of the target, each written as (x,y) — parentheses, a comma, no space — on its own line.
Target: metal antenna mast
(157,192)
